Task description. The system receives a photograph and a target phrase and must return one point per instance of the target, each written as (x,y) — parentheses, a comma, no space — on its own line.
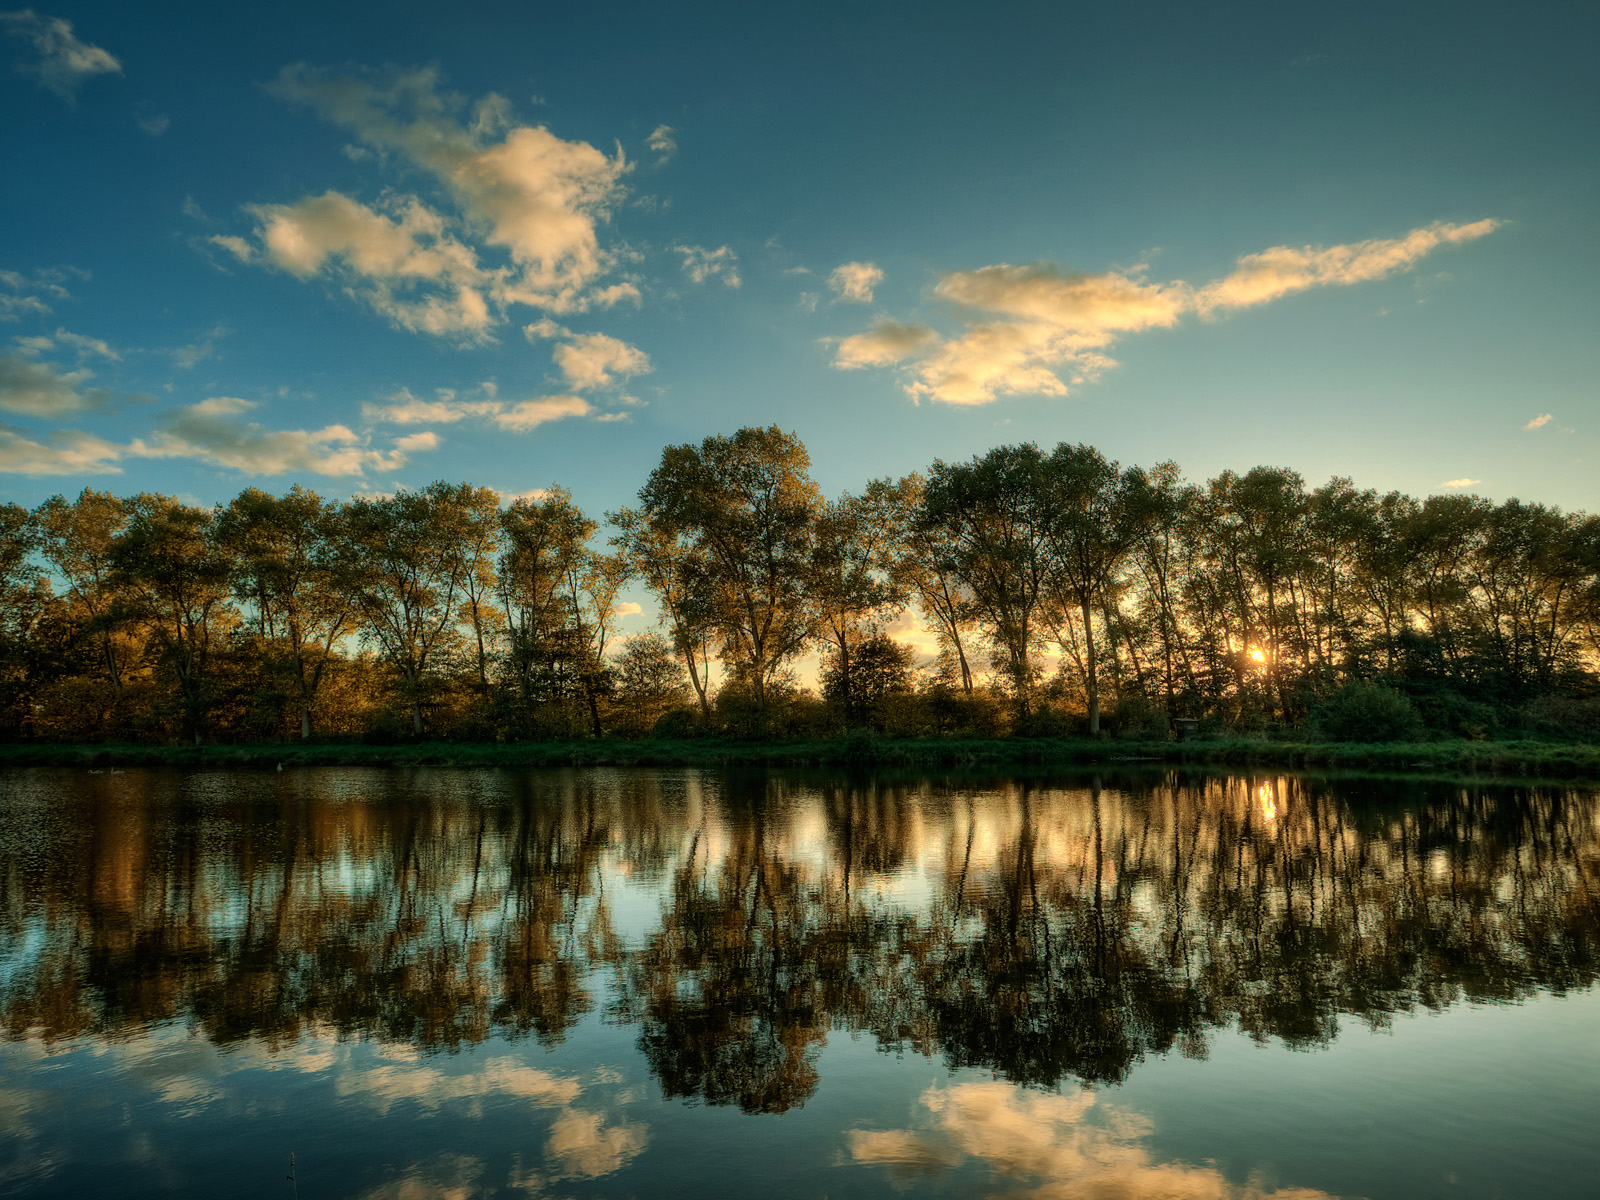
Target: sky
(364,247)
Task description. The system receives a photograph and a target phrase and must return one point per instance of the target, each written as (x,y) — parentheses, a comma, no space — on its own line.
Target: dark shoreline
(1522,759)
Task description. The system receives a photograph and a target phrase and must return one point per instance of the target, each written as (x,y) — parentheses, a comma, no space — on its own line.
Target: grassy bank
(1482,758)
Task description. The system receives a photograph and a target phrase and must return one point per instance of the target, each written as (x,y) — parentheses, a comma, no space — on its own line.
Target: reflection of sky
(572,1126)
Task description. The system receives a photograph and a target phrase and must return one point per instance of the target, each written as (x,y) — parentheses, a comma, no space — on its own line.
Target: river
(461,983)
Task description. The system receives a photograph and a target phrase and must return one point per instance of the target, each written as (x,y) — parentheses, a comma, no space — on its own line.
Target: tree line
(1063,592)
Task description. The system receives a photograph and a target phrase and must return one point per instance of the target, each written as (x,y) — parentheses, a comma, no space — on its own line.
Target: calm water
(657,983)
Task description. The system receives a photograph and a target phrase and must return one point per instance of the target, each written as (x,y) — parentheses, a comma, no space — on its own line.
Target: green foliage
(1368,712)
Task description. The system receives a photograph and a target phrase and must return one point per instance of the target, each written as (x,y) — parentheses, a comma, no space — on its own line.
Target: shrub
(1367,712)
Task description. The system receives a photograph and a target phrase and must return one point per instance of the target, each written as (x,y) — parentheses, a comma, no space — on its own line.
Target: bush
(1367,712)
(1136,719)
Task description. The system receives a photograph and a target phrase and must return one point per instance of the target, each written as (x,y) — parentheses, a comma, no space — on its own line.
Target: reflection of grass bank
(1547,759)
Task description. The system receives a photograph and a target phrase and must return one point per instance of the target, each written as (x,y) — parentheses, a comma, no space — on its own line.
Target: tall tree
(172,574)
(76,537)
(286,568)
(996,530)
(677,574)
(404,566)
(1094,515)
(748,507)
(539,578)
(851,577)
(923,564)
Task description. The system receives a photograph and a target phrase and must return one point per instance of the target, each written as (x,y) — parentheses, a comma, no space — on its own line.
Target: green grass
(1549,760)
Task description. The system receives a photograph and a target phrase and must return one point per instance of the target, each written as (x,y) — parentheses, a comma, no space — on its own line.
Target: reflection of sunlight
(1269,802)
(1075,1146)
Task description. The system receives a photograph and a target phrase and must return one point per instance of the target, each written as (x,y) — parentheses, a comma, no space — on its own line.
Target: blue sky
(362,247)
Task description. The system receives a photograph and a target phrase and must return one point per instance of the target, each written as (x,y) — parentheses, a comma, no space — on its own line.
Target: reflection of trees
(1035,931)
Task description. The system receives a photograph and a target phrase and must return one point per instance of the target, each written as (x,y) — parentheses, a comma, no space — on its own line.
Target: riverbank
(1550,760)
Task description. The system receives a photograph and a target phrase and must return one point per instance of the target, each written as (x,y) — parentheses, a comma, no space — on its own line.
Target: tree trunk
(1093,684)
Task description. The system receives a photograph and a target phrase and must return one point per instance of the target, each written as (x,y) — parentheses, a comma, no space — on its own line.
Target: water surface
(677,983)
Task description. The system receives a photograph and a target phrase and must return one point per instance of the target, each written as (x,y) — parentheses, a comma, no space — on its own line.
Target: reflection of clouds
(24,1158)
(383,1086)
(184,1075)
(582,1146)
(1070,1146)
(443,1177)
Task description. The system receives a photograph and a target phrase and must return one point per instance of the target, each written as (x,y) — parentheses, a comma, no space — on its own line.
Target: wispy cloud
(186,358)
(855,281)
(1037,329)
(64,452)
(41,389)
(30,295)
(530,414)
(215,432)
(60,61)
(1460,483)
(1539,422)
(664,142)
(403,408)
(701,264)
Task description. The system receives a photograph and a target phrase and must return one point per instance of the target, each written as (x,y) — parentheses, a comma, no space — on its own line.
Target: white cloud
(1039,330)
(700,264)
(65,452)
(885,344)
(406,267)
(236,246)
(663,142)
(593,360)
(530,414)
(154,126)
(1258,278)
(63,62)
(529,193)
(589,360)
(425,440)
(627,608)
(403,408)
(1538,422)
(854,281)
(1460,483)
(211,432)
(39,389)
